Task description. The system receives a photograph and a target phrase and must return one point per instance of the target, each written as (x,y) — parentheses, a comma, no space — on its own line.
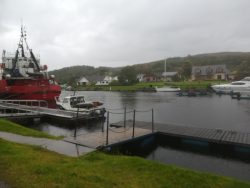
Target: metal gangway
(22,108)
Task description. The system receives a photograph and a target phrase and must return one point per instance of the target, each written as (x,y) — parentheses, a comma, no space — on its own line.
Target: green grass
(29,166)
(194,84)
(7,126)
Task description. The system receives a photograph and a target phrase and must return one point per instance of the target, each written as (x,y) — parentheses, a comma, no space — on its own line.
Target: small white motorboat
(167,89)
(78,104)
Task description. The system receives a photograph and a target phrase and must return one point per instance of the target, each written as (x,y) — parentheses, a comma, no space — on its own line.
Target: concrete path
(59,146)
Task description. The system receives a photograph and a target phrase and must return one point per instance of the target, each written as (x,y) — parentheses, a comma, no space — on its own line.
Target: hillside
(71,74)
(235,61)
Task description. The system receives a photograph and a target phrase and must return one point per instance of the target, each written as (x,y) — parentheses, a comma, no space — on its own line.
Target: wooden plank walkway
(98,139)
(205,134)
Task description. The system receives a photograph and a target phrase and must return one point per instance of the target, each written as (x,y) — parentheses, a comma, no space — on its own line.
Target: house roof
(209,69)
(83,80)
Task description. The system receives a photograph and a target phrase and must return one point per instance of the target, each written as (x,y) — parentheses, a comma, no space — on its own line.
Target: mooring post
(107,135)
(75,129)
(76,122)
(77,113)
(125,113)
(133,135)
(18,106)
(152,120)
(103,121)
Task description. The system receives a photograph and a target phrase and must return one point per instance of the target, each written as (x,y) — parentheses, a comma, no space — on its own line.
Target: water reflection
(128,99)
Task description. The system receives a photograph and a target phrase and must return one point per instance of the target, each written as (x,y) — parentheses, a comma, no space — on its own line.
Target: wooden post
(133,135)
(107,135)
(125,113)
(152,120)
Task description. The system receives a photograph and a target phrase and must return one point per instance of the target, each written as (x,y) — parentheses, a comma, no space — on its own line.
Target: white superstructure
(233,87)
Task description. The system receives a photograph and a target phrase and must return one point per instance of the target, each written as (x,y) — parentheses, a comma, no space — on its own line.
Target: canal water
(211,111)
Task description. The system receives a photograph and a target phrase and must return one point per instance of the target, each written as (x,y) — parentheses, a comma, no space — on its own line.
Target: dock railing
(124,113)
(21,106)
(32,103)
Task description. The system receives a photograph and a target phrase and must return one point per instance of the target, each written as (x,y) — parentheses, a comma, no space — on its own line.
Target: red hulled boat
(23,78)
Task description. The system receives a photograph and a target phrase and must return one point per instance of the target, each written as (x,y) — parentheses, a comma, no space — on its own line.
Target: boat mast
(165,67)
(31,53)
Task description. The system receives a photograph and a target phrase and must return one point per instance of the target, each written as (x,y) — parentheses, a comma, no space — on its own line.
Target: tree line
(237,62)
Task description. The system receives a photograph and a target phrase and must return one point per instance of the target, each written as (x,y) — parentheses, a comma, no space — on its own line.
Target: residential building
(140,77)
(210,72)
(107,80)
(169,76)
(83,81)
(150,78)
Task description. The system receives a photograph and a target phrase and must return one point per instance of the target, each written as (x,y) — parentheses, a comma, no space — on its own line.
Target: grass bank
(27,166)
(149,86)
(8,126)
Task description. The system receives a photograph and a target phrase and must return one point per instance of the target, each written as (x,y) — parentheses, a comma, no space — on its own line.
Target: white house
(140,77)
(106,80)
(83,81)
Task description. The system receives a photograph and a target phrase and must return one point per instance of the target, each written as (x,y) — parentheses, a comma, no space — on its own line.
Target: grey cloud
(122,32)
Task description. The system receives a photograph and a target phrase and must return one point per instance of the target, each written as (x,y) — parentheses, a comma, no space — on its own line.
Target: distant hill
(71,74)
(231,59)
(235,61)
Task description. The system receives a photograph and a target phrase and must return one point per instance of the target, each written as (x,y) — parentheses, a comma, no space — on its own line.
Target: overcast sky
(124,32)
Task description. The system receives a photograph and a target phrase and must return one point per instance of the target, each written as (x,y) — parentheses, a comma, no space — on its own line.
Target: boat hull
(167,89)
(30,90)
(233,87)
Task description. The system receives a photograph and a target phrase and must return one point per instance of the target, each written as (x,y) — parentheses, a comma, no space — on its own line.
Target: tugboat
(23,78)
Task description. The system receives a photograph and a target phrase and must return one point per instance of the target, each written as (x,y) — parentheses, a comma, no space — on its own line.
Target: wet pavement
(59,146)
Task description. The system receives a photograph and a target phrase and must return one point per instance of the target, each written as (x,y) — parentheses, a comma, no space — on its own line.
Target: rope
(127,112)
(143,110)
(126,129)
(115,108)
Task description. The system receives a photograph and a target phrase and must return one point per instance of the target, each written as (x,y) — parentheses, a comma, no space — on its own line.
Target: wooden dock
(218,136)
(99,139)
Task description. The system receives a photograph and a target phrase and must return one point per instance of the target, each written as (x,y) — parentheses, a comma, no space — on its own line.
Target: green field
(27,166)
(32,166)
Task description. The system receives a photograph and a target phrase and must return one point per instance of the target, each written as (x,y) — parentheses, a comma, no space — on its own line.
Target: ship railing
(31,103)
(9,55)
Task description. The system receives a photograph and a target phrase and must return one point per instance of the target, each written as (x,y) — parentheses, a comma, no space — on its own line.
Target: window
(209,70)
(197,71)
(65,100)
(238,83)
(219,70)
